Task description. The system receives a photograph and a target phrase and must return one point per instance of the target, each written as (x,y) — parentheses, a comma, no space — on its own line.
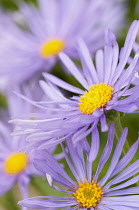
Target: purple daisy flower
(53,27)
(15,165)
(106,89)
(91,190)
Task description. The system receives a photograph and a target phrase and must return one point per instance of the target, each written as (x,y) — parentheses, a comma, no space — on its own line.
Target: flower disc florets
(88,194)
(97,97)
(16,163)
(52,47)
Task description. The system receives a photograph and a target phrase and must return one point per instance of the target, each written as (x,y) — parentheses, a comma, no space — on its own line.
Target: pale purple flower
(89,189)
(31,41)
(105,88)
(15,165)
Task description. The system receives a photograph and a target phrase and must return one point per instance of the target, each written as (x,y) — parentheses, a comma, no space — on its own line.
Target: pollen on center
(97,97)
(51,47)
(15,163)
(88,194)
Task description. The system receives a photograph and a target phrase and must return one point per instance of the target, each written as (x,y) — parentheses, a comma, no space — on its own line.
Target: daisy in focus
(105,89)
(114,190)
(41,33)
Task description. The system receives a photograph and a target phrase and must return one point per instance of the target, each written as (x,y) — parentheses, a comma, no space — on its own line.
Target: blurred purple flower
(15,165)
(41,33)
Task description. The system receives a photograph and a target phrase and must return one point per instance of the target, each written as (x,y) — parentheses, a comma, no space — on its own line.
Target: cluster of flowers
(43,116)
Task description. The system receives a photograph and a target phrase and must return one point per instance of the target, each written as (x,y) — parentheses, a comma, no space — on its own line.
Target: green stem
(118,131)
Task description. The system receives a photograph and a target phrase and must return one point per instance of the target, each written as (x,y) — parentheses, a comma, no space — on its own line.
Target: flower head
(15,165)
(33,43)
(105,89)
(96,98)
(16,161)
(114,190)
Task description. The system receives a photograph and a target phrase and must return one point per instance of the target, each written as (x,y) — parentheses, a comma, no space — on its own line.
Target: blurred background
(39,186)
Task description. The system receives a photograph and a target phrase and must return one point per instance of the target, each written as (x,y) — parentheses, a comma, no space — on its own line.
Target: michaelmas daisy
(89,189)
(31,43)
(105,90)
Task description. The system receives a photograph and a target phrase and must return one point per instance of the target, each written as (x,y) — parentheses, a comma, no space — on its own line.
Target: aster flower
(91,190)
(106,89)
(50,29)
(15,165)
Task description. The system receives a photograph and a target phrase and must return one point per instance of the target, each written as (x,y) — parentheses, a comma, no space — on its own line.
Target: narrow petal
(106,152)
(6,183)
(73,69)
(128,191)
(125,184)
(43,204)
(100,64)
(62,84)
(130,39)
(23,185)
(108,54)
(115,157)
(130,171)
(126,159)
(86,58)
(94,145)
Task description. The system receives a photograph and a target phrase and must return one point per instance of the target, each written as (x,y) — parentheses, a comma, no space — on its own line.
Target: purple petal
(62,84)
(115,157)
(73,69)
(43,204)
(106,152)
(86,58)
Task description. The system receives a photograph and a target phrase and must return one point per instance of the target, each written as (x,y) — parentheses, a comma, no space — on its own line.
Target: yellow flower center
(97,97)
(51,47)
(15,163)
(31,118)
(88,194)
